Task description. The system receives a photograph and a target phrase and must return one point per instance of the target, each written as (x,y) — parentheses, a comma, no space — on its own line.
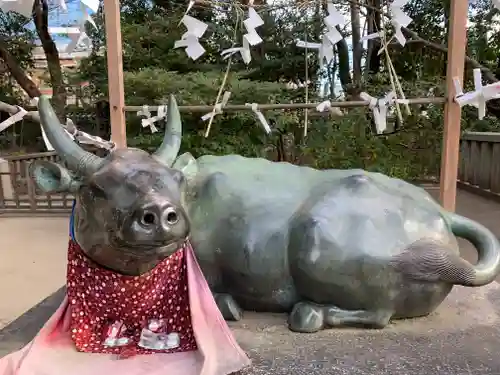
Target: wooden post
(457,40)
(115,72)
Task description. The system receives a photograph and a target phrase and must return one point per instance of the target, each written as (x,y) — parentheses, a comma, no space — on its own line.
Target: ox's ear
(187,164)
(50,177)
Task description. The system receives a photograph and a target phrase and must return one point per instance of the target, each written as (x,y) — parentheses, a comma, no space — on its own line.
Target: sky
(60,18)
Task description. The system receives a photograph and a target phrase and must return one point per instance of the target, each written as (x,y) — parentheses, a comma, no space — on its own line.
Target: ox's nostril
(149,218)
(171,216)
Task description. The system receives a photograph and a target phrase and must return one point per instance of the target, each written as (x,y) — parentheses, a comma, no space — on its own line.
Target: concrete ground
(461,338)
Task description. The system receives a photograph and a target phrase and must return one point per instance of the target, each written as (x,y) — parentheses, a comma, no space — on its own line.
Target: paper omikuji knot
(399,20)
(190,39)
(330,38)
(251,38)
(379,108)
(149,121)
(479,96)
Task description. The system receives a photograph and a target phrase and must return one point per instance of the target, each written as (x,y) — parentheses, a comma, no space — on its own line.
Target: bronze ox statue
(330,247)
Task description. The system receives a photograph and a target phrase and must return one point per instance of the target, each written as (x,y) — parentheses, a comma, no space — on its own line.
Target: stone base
(461,338)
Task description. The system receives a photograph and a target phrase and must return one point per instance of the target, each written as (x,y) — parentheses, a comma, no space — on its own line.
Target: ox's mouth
(145,248)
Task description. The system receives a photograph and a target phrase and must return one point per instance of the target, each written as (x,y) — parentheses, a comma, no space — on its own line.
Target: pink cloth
(53,352)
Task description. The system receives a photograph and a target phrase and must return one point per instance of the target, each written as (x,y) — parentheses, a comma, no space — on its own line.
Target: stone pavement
(461,338)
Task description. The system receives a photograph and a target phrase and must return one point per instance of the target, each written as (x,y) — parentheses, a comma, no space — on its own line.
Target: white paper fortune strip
(93,5)
(149,121)
(324,106)
(251,23)
(244,52)
(217,107)
(327,106)
(260,116)
(18,116)
(399,19)
(94,140)
(330,38)
(251,38)
(479,96)
(379,34)
(379,108)
(190,39)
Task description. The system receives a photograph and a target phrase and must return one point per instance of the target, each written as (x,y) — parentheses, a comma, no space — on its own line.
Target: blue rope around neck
(72,222)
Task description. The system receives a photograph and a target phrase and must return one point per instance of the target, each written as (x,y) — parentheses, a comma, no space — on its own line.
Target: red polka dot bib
(117,314)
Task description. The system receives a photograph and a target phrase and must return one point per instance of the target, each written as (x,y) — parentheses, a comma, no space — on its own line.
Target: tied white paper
(330,38)
(23,7)
(149,121)
(399,19)
(217,107)
(16,117)
(251,23)
(94,140)
(244,52)
(93,5)
(294,86)
(479,96)
(190,39)
(251,38)
(327,106)
(379,34)
(379,108)
(324,106)
(81,137)
(260,116)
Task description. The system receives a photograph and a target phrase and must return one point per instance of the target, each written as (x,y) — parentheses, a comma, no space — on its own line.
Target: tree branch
(17,72)
(41,20)
(488,74)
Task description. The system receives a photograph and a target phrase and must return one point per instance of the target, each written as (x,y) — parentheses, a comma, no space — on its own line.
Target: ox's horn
(167,152)
(77,159)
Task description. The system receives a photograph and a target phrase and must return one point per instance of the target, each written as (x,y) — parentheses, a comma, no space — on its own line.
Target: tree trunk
(357,47)
(40,19)
(344,66)
(374,24)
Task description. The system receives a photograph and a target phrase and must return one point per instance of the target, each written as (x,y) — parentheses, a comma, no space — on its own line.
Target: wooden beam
(115,72)
(457,40)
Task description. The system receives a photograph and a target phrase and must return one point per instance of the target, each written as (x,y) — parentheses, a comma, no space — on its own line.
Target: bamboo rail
(270,107)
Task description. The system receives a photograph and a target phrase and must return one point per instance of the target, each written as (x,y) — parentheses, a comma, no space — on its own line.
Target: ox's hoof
(306,317)
(228,307)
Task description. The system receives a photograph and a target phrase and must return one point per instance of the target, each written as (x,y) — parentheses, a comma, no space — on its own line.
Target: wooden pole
(457,40)
(115,72)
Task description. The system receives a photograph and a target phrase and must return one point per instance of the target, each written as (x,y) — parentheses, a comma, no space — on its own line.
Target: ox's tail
(429,260)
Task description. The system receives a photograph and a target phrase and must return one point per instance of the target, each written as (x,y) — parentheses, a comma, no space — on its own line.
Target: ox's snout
(155,224)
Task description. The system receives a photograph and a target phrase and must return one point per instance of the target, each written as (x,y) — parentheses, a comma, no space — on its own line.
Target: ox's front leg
(309,317)
(228,307)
